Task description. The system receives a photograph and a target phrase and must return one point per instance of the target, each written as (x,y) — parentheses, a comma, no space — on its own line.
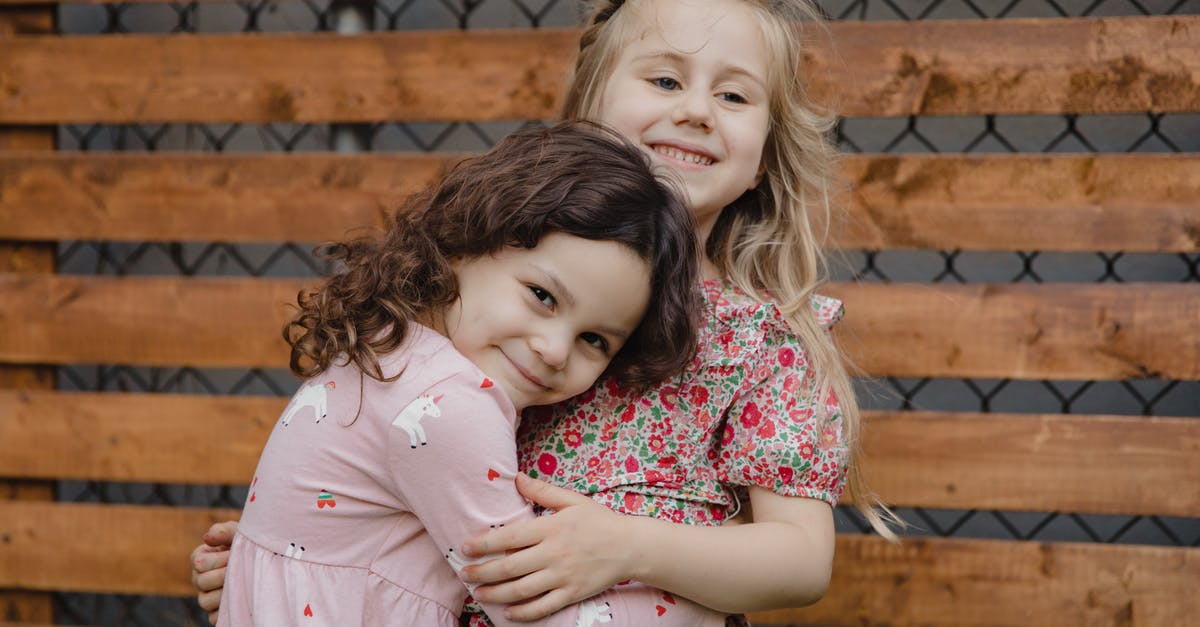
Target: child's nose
(552,348)
(694,108)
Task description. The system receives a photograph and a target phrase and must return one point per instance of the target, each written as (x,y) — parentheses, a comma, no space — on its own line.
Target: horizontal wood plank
(1000,461)
(142,550)
(122,549)
(965,583)
(193,197)
(1021,331)
(914,459)
(940,67)
(1067,203)
(1130,203)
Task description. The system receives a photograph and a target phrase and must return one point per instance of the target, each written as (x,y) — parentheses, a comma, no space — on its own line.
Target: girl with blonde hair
(762,429)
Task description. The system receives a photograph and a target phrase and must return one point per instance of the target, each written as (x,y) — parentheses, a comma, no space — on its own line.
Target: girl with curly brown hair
(529,272)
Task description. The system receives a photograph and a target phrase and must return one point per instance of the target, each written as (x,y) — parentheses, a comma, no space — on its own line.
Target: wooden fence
(1087,464)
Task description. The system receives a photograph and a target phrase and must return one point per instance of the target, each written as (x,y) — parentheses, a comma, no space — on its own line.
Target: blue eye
(732,97)
(543,297)
(668,84)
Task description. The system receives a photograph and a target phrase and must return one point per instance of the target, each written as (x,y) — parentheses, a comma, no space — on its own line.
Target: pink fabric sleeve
(460,483)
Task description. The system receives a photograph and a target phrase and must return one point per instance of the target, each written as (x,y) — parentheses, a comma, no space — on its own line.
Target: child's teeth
(676,153)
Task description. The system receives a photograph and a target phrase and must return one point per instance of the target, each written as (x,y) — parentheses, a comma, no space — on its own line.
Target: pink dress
(355,513)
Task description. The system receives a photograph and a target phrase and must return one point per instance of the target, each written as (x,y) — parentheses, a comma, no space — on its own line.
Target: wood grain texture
(964,583)
(1069,203)
(1129,465)
(942,67)
(138,550)
(151,438)
(1130,203)
(1017,66)
(206,322)
(192,197)
(913,459)
(124,549)
(1020,331)
(32,257)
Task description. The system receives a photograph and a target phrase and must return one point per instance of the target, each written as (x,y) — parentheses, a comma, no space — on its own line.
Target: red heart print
(668,598)
(661,610)
(487,383)
(308,610)
(492,475)
(252,496)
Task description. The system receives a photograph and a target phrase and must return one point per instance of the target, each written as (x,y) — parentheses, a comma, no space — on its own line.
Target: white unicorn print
(590,613)
(294,552)
(311,395)
(458,562)
(410,417)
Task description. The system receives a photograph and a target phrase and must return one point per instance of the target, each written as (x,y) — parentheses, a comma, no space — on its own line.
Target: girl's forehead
(728,32)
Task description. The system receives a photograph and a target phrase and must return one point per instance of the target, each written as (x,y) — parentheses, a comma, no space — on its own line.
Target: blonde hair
(770,241)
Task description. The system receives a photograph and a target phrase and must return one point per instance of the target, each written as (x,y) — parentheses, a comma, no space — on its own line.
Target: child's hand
(208,566)
(570,556)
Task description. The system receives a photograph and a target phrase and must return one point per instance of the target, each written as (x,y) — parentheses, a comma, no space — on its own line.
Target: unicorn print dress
(366,489)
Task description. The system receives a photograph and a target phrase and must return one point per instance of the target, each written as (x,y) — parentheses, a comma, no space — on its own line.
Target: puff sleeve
(780,433)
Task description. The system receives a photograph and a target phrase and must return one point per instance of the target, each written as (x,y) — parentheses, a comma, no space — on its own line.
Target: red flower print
(655,443)
(712,455)
(654,476)
(767,430)
(667,396)
(676,515)
(593,461)
(725,338)
(750,415)
(785,473)
(727,436)
(667,462)
(634,502)
(787,356)
(573,438)
(698,394)
(791,382)
(629,413)
(613,387)
(547,463)
(631,464)
(802,416)
(806,451)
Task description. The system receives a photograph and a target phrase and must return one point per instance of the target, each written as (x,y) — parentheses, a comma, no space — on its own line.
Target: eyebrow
(561,292)
(675,57)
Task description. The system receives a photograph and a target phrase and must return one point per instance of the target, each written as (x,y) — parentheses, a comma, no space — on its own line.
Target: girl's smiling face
(545,322)
(690,88)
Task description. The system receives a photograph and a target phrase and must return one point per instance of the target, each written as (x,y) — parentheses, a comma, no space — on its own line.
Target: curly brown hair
(576,178)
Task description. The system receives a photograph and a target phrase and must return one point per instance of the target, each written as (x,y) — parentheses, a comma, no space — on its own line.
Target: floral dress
(746,413)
